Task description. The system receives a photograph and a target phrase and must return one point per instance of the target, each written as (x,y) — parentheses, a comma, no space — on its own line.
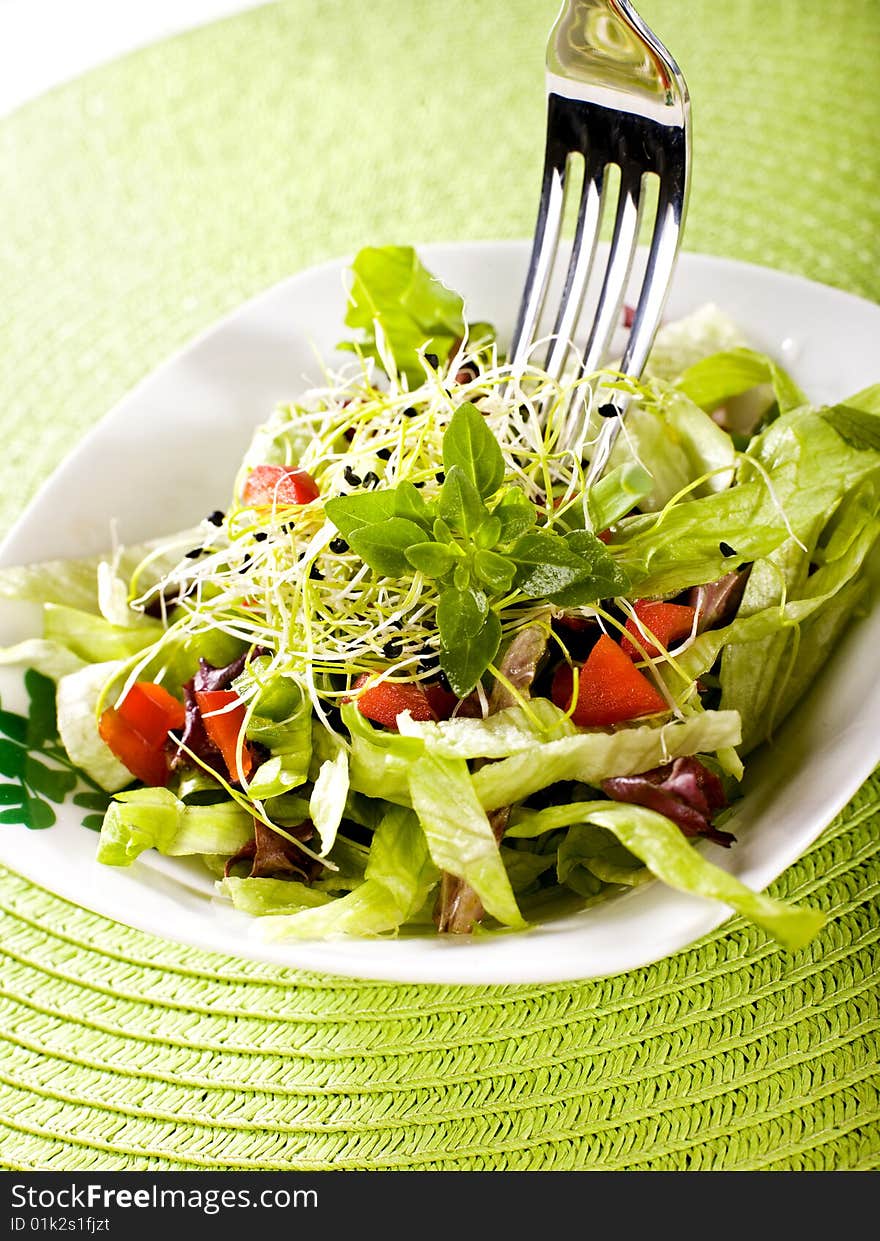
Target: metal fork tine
(620,259)
(583,252)
(649,308)
(543,254)
(655,286)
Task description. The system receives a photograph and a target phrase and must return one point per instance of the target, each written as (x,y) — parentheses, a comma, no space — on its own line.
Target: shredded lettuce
(148,818)
(660,845)
(593,757)
(398,878)
(459,834)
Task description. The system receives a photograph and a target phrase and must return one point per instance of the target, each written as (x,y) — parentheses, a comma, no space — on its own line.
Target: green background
(147,198)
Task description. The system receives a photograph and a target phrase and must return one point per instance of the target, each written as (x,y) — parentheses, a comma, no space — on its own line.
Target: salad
(414,676)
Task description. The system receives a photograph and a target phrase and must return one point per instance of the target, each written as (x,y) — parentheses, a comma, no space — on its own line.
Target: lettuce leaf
(398,878)
(499,735)
(459,834)
(592,757)
(329,794)
(148,818)
(77,697)
(677,443)
(660,845)
(263,897)
(395,298)
(716,379)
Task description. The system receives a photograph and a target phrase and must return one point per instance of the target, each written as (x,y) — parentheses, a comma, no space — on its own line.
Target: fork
(616,97)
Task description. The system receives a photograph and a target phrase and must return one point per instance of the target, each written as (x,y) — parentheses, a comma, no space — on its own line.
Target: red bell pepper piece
(278,485)
(136,730)
(668,622)
(610,689)
(225,728)
(383,703)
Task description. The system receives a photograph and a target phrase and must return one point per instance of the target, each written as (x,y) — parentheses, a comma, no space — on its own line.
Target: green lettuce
(398,878)
(148,818)
(714,380)
(458,832)
(263,897)
(593,757)
(667,853)
(499,735)
(402,310)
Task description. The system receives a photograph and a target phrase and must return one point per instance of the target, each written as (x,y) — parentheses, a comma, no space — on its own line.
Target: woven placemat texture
(147,198)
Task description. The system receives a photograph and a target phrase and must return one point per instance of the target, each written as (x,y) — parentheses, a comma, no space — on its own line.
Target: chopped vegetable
(610,690)
(665,623)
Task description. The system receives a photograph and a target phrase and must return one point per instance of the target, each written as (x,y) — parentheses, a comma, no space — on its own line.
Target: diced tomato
(668,622)
(383,703)
(604,536)
(225,728)
(629,315)
(442,701)
(151,711)
(136,730)
(610,689)
(278,485)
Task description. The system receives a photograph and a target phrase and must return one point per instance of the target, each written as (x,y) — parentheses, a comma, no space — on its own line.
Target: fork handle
(605,45)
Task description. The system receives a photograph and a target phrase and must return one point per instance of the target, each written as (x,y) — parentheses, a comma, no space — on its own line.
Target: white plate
(168,454)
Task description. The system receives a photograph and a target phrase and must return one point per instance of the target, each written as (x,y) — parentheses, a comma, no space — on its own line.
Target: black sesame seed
(441,476)
(215,518)
(384,454)
(726,549)
(260,536)
(410,411)
(419,484)
(371,479)
(195,552)
(315,574)
(246,562)
(432,360)
(287,528)
(338,545)
(350,477)
(392,649)
(608,410)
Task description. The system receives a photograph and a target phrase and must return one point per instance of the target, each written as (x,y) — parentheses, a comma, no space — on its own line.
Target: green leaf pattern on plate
(35,772)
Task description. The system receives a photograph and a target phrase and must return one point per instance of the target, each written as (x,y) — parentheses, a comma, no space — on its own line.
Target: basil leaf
(361,508)
(460,615)
(470,445)
(488,533)
(546,564)
(432,559)
(466,662)
(383,545)
(496,571)
(460,502)
(605,578)
(516,513)
(411,504)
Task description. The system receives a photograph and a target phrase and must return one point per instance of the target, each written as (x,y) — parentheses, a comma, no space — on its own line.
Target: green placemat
(146,199)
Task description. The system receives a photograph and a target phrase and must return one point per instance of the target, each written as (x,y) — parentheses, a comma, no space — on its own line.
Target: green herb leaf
(496,571)
(460,615)
(432,559)
(547,564)
(470,445)
(466,662)
(605,578)
(441,530)
(460,502)
(489,533)
(361,508)
(383,545)
(411,504)
(42,723)
(516,513)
